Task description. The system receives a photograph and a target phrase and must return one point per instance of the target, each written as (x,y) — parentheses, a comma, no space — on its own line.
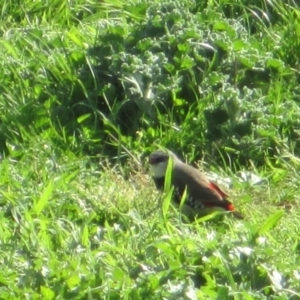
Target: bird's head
(158,161)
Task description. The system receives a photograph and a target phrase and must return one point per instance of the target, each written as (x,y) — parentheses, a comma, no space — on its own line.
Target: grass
(88,88)
(70,230)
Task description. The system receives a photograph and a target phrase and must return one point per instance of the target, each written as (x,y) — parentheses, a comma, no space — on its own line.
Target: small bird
(202,194)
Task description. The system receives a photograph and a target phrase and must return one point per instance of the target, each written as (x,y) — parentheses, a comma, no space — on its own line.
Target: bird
(203,195)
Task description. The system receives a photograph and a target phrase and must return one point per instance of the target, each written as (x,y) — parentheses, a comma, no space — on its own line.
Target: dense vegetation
(89,88)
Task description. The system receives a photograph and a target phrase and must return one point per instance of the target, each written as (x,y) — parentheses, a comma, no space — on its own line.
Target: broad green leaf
(271,222)
(47,293)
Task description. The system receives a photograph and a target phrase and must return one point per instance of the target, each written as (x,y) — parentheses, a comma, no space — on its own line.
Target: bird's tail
(237,214)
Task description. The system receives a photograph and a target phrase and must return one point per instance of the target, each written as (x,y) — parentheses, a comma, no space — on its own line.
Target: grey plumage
(201,193)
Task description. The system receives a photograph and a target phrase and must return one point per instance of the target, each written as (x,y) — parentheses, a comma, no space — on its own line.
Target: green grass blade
(43,200)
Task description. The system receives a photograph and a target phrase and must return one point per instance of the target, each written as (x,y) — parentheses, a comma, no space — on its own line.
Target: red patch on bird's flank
(230,207)
(217,189)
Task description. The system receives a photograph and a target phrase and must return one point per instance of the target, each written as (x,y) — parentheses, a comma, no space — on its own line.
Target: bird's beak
(151,161)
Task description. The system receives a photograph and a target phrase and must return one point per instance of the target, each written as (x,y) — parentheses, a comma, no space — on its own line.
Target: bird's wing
(217,188)
(199,187)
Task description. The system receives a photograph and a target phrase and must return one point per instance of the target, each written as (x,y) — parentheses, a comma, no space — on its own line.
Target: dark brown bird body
(202,194)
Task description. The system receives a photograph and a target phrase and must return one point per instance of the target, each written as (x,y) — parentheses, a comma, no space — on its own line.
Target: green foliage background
(214,79)
(87,85)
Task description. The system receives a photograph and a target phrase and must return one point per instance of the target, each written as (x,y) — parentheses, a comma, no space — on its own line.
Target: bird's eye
(157,160)
(153,160)
(160,159)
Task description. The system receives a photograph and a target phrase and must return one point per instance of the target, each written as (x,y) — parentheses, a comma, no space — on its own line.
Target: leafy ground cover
(88,89)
